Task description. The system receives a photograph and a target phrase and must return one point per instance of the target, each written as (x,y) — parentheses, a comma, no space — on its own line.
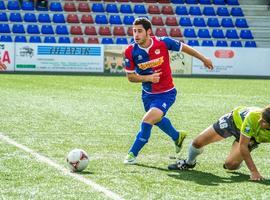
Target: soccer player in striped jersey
(147,61)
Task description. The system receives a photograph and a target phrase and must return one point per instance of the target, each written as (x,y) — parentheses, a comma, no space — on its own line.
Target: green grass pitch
(53,114)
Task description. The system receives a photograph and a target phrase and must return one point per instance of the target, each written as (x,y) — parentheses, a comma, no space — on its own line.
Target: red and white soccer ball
(77,160)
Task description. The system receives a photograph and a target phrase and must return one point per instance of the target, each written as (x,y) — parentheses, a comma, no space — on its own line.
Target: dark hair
(144,22)
(266,114)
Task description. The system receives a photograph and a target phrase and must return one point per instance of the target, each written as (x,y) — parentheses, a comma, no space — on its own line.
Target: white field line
(62,169)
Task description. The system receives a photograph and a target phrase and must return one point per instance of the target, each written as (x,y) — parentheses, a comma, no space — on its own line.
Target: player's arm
(244,150)
(136,78)
(193,52)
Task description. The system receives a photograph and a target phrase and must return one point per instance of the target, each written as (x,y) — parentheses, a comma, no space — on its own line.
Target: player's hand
(256,176)
(208,63)
(2,66)
(154,78)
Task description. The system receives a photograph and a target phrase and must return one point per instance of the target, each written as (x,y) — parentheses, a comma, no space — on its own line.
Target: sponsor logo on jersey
(247,129)
(157,51)
(151,64)
(164,105)
(140,57)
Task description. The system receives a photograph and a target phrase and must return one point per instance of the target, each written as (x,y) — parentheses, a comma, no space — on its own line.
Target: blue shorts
(161,101)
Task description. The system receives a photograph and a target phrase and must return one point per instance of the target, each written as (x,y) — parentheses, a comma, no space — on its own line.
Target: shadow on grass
(84,172)
(153,167)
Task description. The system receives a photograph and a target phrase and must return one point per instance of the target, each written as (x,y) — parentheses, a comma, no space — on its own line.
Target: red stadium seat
(130,31)
(150,1)
(76,30)
(78,40)
(175,32)
(153,9)
(92,40)
(119,31)
(87,19)
(84,7)
(157,21)
(72,18)
(104,30)
(90,30)
(171,21)
(164,1)
(167,10)
(161,32)
(70,7)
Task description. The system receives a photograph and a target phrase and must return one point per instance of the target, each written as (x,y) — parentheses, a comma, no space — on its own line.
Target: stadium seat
(122,1)
(63,40)
(193,43)
(175,32)
(35,39)
(33,29)
(119,31)
(233,2)
(171,21)
(139,9)
(13,5)
(18,28)
(61,30)
(90,30)
(2,5)
(185,21)
(207,43)
(181,10)
(47,29)
(167,10)
(49,39)
(195,10)
(3,17)
(213,22)
(107,41)
(199,22)
(161,31)
(137,1)
(205,2)
(76,30)
(28,5)
(219,2)
(157,21)
(69,7)
(250,44)
(231,34)
(59,18)
(237,11)
(227,22)
(111,8)
(92,40)
(128,19)
(115,19)
(87,19)
(5,38)
(29,17)
(192,1)
(203,33)
(15,17)
(78,40)
(222,11)
(150,1)
(4,28)
(101,19)
(178,1)
(73,18)
(130,31)
(121,41)
(241,23)
(236,44)
(209,11)
(104,30)
(153,9)
(20,38)
(126,8)
(84,7)
(97,7)
(246,34)
(44,18)
(190,33)
(217,33)
(221,43)
(56,7)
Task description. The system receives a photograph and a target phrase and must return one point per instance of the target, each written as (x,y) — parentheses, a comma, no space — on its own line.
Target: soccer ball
(77,160)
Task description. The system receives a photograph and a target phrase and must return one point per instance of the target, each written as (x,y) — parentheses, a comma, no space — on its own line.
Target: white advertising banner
(234,61)
(7,55)
(59,57)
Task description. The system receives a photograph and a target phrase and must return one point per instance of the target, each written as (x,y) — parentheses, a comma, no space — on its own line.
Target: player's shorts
(161,101)
(225,127)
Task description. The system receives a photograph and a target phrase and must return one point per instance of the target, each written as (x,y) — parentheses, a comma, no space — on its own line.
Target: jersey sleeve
(172,44)
(129,63)
(247,127)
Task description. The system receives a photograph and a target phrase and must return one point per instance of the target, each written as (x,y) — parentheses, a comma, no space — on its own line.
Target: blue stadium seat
(121,41)
(213,22)
(125,8)
(128,19)
(237,11)
(207,43)
(217,33)
(59,18)
(115,19)
(101,19)
(44,18)
(236,44)
(63,40)
(15,17)
(27,5)
(2,5)
(199,22)
(227,22)
(13,5)
(190,32)
(192,1)
(61,30)
(97,7)
(221,43)
(205,2)
(32,29)
(219,2)
(29,17)
(241,23)
(111,8)
(107,41)
(203,33)
(4,28)
(47,29)
(231,34)
(139,9)
(18,28)
(178,1)
(232,2)
(185,21)
(49,39)
(3,17)
(181,10)
(193,43)
(35,39)
(222,11)
(246,34)
(56,7)
(209,11)
(250,44)
(20,38)
(5,38)
(195,10)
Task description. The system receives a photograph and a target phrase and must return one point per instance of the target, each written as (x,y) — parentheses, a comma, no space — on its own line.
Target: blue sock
(166,126)
(142,138)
